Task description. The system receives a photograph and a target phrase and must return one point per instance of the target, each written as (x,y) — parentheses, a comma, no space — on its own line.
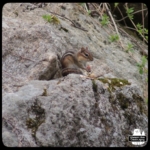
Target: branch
(142,51)
(114,23)
(86,7)
(142,17)
(132,14)
(69,20)
(136,28)
(121,15)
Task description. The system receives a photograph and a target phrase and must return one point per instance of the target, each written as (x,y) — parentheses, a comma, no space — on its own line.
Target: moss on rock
(34,122)
(114,82)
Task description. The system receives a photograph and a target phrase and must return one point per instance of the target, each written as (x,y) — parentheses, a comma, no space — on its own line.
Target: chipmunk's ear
(86,48)
(82,49)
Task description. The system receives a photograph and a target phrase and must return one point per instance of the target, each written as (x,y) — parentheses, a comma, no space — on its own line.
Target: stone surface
(66,116)
(31,45)
(41,109)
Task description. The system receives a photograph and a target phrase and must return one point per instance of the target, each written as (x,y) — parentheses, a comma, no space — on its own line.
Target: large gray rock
(57,113)
(70,111)
(31,46)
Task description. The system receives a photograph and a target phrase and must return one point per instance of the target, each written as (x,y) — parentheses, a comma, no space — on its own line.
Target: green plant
(129,12)
(113,38)
(146,100)
(105,20)
(129,48)
(50,18)
(141,66)
(116,4)
(81,4)
(89,11)
(142,31)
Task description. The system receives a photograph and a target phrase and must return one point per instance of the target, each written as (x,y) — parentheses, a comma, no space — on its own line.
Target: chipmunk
(72,61)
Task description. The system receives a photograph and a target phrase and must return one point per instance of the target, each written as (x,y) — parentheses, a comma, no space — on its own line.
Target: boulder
(40,108)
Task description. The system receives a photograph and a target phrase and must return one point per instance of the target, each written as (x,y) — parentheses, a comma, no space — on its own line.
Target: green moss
(44,92)
(35,122)
(114,82)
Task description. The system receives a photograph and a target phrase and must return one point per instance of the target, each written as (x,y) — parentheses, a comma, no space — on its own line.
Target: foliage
(116,4)
(81,4)
(48,18)
(89,11)
(113,38)
(129,12)
(141,66)
(129,48)
(142,31)
(51,18)
(105,20)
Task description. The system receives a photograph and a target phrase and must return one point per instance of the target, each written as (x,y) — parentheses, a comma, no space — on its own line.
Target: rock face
(40,108)
(57,113)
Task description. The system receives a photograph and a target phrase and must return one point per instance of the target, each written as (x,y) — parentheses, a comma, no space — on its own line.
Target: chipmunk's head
(85,55)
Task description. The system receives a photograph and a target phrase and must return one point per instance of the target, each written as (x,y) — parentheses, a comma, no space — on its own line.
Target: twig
(69,20)
(97,9)
(100,5)
(132,14)
(142,50)
(86,7)
(130,28)
(136,28)
(103,8)
(142,17)
(15,9)
(114,23)
(122,16)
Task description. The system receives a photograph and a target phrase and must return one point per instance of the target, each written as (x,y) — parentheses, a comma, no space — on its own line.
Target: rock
(31,46)
(69,112)
(39,107)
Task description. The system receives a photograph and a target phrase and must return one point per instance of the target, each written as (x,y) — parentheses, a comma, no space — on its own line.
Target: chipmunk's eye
(86,54)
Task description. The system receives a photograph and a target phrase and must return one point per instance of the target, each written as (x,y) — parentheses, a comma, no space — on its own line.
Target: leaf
(105,20)
(144,60)
(81,4)
(139,26)
(48,18)
(141,70)
(89,11)
(131,17)
(116,4)
(130,10)
(113,38)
